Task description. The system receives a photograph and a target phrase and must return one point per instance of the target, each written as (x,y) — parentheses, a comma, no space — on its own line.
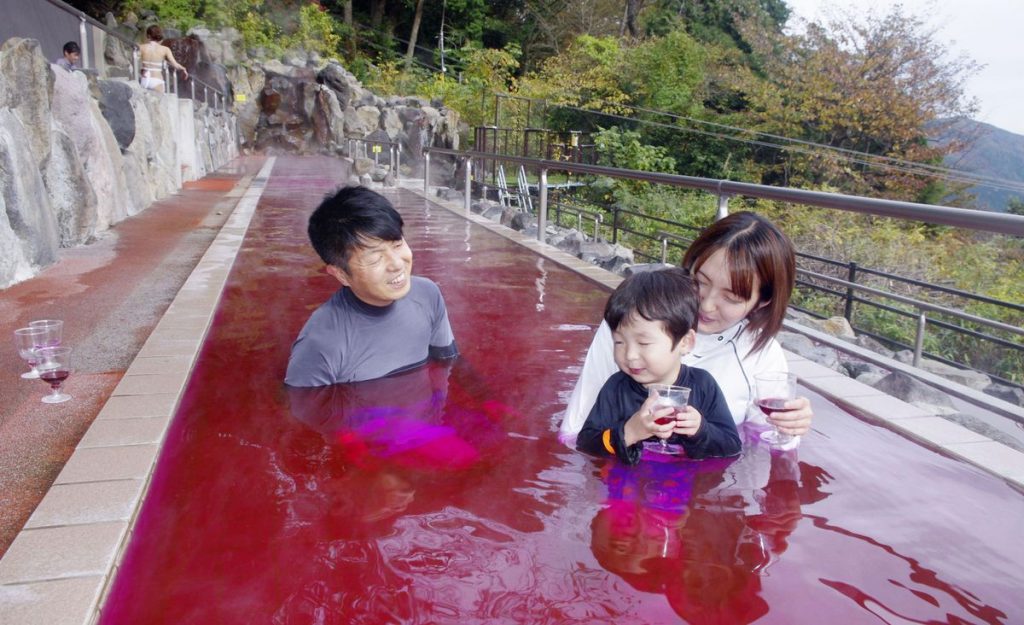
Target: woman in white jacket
(745,268)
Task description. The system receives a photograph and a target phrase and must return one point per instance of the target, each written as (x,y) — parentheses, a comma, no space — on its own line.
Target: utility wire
(811,149)
(853,153)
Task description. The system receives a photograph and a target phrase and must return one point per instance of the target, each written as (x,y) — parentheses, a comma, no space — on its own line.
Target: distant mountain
(995,153)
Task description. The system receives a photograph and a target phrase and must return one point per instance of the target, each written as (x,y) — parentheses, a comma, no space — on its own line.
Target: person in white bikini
(153,55)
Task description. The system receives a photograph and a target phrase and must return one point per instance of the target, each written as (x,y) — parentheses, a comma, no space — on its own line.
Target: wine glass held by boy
(745,268)
(652,316)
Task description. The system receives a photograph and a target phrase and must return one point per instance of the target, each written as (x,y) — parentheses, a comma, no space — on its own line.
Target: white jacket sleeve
(597,368)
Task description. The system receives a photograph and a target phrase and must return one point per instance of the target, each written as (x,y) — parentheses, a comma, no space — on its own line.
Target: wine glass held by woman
(745,268)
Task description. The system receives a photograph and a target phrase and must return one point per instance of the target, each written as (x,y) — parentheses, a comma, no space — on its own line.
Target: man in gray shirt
(383,320)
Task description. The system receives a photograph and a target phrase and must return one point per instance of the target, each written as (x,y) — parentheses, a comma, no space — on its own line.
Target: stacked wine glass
(39,344)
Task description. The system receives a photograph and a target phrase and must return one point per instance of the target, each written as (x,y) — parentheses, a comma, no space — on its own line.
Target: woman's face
(720,308)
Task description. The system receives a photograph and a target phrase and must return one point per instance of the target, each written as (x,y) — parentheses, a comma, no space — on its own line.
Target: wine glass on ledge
(27,340)
(54,329)
(54,366)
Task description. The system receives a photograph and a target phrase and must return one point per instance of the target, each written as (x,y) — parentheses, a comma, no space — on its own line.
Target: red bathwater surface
(443,495)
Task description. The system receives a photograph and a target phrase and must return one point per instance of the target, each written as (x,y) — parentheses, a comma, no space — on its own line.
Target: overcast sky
(991,32)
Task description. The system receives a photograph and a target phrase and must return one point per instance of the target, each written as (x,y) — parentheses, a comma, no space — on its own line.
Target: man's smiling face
(379,272)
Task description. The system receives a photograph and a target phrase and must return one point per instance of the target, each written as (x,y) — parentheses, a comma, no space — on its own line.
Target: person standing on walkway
(383,320)
(153,54)
(72,55)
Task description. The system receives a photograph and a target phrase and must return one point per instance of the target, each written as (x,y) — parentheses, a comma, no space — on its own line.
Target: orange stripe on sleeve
(606,438)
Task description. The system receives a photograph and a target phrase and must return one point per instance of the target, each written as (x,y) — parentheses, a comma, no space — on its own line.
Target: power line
(918,167)
(861,158)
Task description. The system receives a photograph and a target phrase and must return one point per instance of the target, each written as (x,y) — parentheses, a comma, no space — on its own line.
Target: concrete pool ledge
(856,397)
(58,568)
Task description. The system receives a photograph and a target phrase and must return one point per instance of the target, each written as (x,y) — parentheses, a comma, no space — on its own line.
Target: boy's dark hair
(347,218)
(666,295)
(71,47)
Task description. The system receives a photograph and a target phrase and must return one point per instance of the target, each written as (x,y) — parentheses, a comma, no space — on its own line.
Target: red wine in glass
(54,377)
(667,419)
(54,367)
(772,404)
(675,397)
(773,391)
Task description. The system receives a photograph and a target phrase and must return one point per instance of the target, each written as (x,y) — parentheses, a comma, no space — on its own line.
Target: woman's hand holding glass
(796,420)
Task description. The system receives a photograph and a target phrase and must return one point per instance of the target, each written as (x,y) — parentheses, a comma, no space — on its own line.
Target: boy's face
(379,272)
(644,351)
(73,57)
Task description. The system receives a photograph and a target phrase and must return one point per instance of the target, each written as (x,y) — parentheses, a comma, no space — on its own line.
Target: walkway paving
(110,295)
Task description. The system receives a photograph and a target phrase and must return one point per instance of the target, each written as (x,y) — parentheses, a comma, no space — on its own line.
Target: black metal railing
(666,239)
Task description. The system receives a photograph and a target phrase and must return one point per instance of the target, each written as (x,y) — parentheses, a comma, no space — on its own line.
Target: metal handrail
(394,151)
(67,8)
(919,304)
(206,87)
(1005,224)
(922,308)
(859,269)
(562,207)
(1001,223)
(665,238)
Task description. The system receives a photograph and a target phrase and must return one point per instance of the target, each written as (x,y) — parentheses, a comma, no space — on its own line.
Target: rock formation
(78,155)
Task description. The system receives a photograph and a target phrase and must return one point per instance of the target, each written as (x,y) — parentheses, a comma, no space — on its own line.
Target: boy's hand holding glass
(687,421)
(649,420)
(668,411)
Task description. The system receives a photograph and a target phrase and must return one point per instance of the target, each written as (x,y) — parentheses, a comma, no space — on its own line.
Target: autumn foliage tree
(875,86)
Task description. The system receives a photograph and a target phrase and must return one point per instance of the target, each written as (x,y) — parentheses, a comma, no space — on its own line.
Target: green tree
(316,32)
(587,75)
(665,73)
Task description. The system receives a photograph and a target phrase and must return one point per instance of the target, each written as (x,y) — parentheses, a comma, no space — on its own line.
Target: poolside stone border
(853,396)
(59,567)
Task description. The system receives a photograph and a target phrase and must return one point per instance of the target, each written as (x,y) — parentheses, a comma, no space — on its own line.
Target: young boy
(72,55)
(653,318)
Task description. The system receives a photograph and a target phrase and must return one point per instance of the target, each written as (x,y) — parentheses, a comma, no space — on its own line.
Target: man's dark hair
(666,295)
(71,47)
(347,218)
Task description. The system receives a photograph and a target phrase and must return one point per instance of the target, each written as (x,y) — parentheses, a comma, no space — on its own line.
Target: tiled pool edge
(59,567)
(854,396)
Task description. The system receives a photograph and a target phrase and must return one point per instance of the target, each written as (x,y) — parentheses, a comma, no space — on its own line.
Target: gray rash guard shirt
(348,340)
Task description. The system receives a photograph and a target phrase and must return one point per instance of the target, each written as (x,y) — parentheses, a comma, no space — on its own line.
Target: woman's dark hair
(154,33)
(754,248)
(665,295)
(346,219)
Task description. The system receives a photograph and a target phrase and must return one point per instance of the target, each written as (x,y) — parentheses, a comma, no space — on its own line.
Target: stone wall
(78,155)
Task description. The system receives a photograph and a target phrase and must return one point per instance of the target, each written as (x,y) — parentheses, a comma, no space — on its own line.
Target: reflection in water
(698,532)
(540,282)
(398,418)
